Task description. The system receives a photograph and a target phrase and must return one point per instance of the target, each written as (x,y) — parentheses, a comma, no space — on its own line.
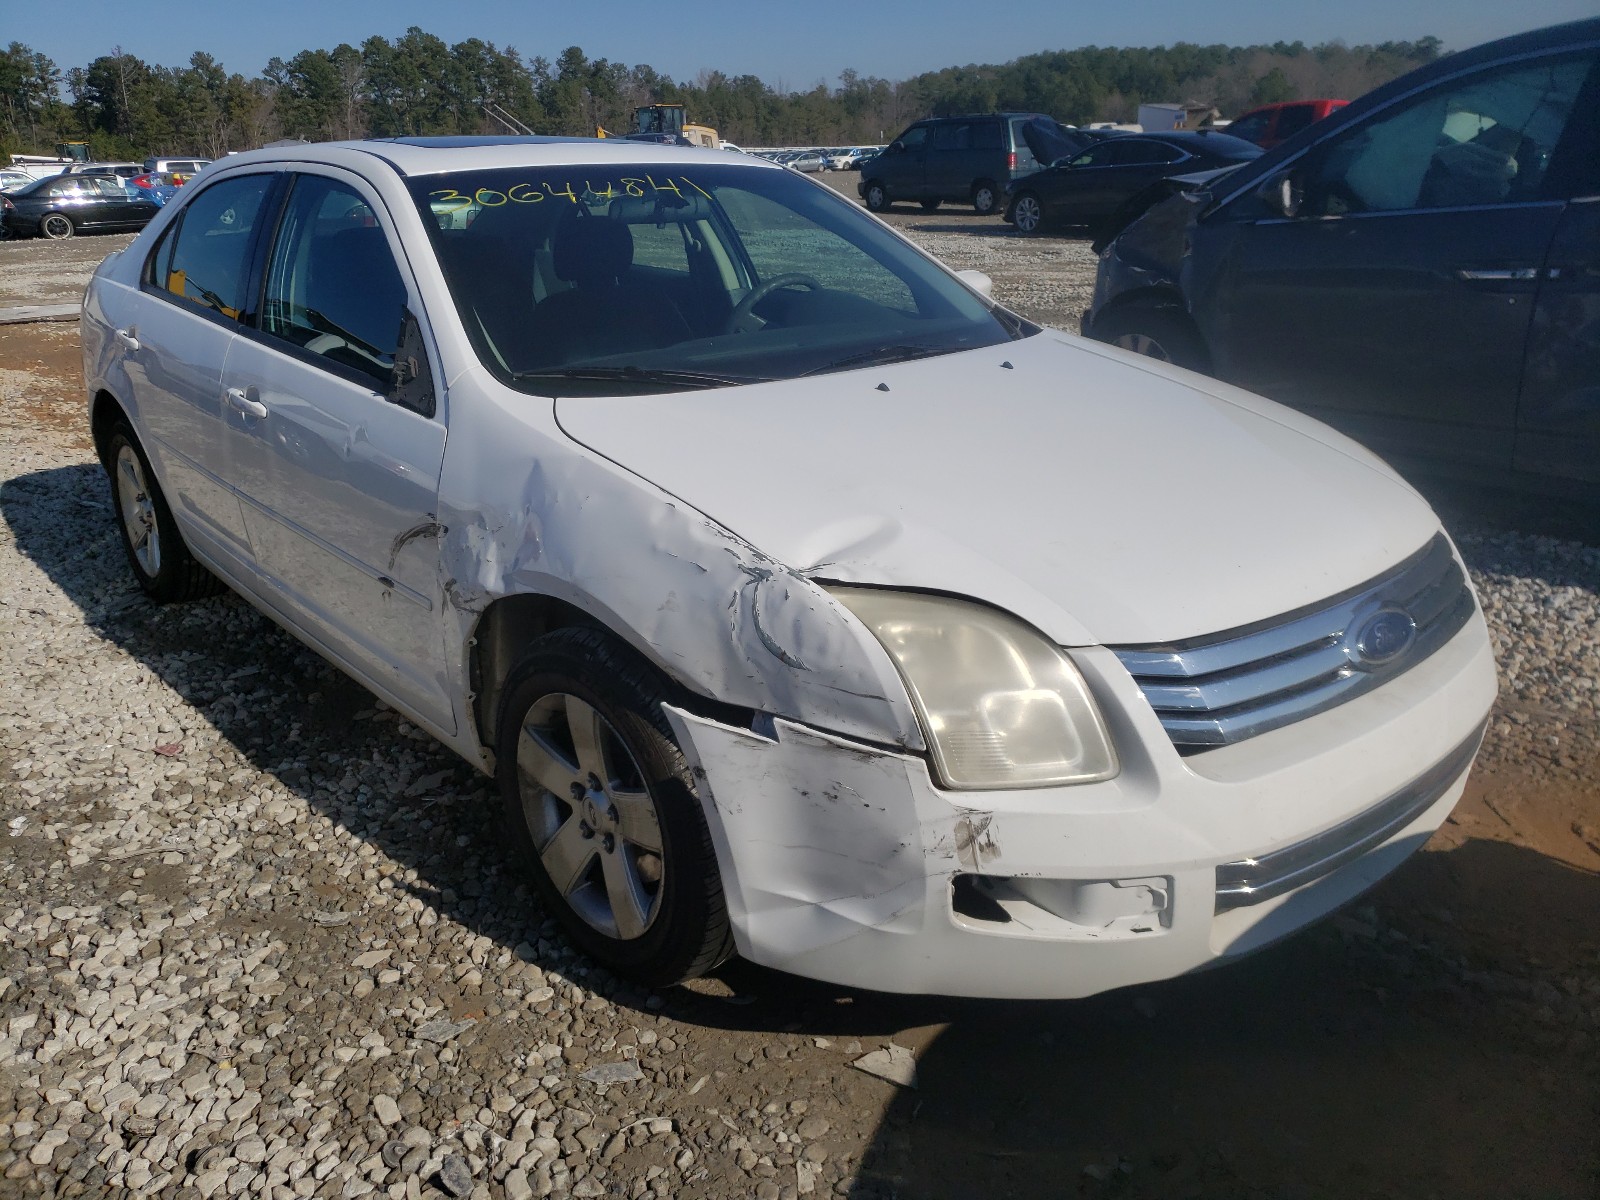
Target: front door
(340,483)
(1396,303)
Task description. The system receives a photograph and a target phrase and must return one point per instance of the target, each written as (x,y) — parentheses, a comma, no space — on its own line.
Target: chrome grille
(1218,690)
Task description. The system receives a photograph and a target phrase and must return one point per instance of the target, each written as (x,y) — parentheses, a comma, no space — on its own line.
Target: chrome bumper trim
(1256,879)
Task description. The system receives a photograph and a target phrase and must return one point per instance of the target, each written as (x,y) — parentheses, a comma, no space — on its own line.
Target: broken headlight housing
(999,705)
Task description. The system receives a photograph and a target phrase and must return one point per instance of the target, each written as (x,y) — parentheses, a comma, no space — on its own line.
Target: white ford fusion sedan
(803,602)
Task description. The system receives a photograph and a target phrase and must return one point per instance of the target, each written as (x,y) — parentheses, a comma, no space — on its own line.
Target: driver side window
(1482,140)
(333,288)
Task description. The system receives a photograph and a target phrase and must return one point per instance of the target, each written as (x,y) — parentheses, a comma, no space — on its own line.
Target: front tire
(1161,333)
(601,805)
(985,198)
(161,563)
(1027,214)
(876,197)
(56,226)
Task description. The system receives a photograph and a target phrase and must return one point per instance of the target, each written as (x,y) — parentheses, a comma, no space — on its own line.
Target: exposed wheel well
(503,631)
(105,413)
(1153,297)
(502,635)
(1162,310)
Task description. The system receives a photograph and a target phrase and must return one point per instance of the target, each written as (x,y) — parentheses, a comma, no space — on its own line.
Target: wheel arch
(509,624)
(1161,296)
(1165,300)
(105,411)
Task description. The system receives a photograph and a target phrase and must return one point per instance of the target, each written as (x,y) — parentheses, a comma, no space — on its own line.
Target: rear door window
(1140,152)
(205,258)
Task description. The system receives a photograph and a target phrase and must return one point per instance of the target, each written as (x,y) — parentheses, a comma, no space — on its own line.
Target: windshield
(607,279)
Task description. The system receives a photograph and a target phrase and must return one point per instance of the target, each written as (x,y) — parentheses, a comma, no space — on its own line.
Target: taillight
(5,202)
(1011,161)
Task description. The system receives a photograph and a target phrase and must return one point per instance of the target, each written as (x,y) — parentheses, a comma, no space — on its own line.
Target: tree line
(416,84)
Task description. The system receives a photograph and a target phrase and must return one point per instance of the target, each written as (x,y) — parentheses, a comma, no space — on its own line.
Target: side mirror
(411,381)
(978,282)
(1282,195)
(896,148)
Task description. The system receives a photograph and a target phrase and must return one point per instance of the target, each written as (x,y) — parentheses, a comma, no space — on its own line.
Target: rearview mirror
(1281,194)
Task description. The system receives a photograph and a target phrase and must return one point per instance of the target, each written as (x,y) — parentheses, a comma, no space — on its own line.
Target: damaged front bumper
(845,862)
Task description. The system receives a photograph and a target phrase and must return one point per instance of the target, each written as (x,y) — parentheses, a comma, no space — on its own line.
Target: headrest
(593,250)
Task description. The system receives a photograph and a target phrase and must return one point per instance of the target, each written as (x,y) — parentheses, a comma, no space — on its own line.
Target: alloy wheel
(593,822)
(1027,215)
(1143,343)
(138,511)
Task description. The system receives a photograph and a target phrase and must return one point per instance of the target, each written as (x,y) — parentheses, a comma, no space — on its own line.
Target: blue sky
(794,46)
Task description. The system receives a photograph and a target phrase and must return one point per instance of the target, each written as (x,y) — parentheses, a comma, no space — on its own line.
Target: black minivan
(967,160)
(1420,269)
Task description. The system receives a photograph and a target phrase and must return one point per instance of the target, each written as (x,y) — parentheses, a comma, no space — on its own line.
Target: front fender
(525,510)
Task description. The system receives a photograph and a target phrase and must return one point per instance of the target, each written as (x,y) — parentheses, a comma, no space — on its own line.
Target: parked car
(1090,187)
(808,161)
(1418,269)
(122,170)
(159,187)
(1273,123)
(62,205)
(179,166)
(967,159)
(795,593)
(11,179)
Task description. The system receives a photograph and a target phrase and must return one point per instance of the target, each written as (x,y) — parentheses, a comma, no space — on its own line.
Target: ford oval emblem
(1380,638)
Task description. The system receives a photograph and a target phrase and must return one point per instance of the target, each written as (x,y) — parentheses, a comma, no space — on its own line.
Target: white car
(803,601)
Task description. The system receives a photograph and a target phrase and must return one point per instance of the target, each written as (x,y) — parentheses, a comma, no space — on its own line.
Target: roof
(413,156)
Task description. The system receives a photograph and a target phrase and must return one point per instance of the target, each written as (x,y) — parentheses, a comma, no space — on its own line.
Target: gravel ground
(259,939)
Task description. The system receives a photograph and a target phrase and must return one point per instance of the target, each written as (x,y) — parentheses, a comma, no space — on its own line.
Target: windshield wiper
(645,375)
(878,354)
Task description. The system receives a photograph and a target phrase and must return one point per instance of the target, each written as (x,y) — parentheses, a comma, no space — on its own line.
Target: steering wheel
(738,319)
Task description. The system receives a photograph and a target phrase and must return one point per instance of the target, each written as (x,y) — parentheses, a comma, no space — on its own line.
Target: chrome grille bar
(1222,689)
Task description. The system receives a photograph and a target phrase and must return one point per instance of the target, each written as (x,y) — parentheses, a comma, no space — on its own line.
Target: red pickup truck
(1273,123)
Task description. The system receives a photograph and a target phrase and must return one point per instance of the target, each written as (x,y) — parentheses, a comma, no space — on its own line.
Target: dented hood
(1104,498)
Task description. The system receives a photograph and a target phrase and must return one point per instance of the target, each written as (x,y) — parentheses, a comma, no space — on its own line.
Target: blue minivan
(966,160)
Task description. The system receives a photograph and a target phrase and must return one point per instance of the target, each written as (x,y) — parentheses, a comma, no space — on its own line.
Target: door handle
(243,401)
(125,336)
(1498,274)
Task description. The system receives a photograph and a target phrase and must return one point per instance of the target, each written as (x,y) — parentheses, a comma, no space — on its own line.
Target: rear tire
(1027,214)
(601,806)
(876,197)
(985,198)
(1162,333)
(161,563)
(56,226)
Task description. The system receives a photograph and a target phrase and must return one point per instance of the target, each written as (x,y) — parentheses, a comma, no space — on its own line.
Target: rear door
(176,335)
(1396,303)
(1558,425)
(1138,162)
(339,482)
